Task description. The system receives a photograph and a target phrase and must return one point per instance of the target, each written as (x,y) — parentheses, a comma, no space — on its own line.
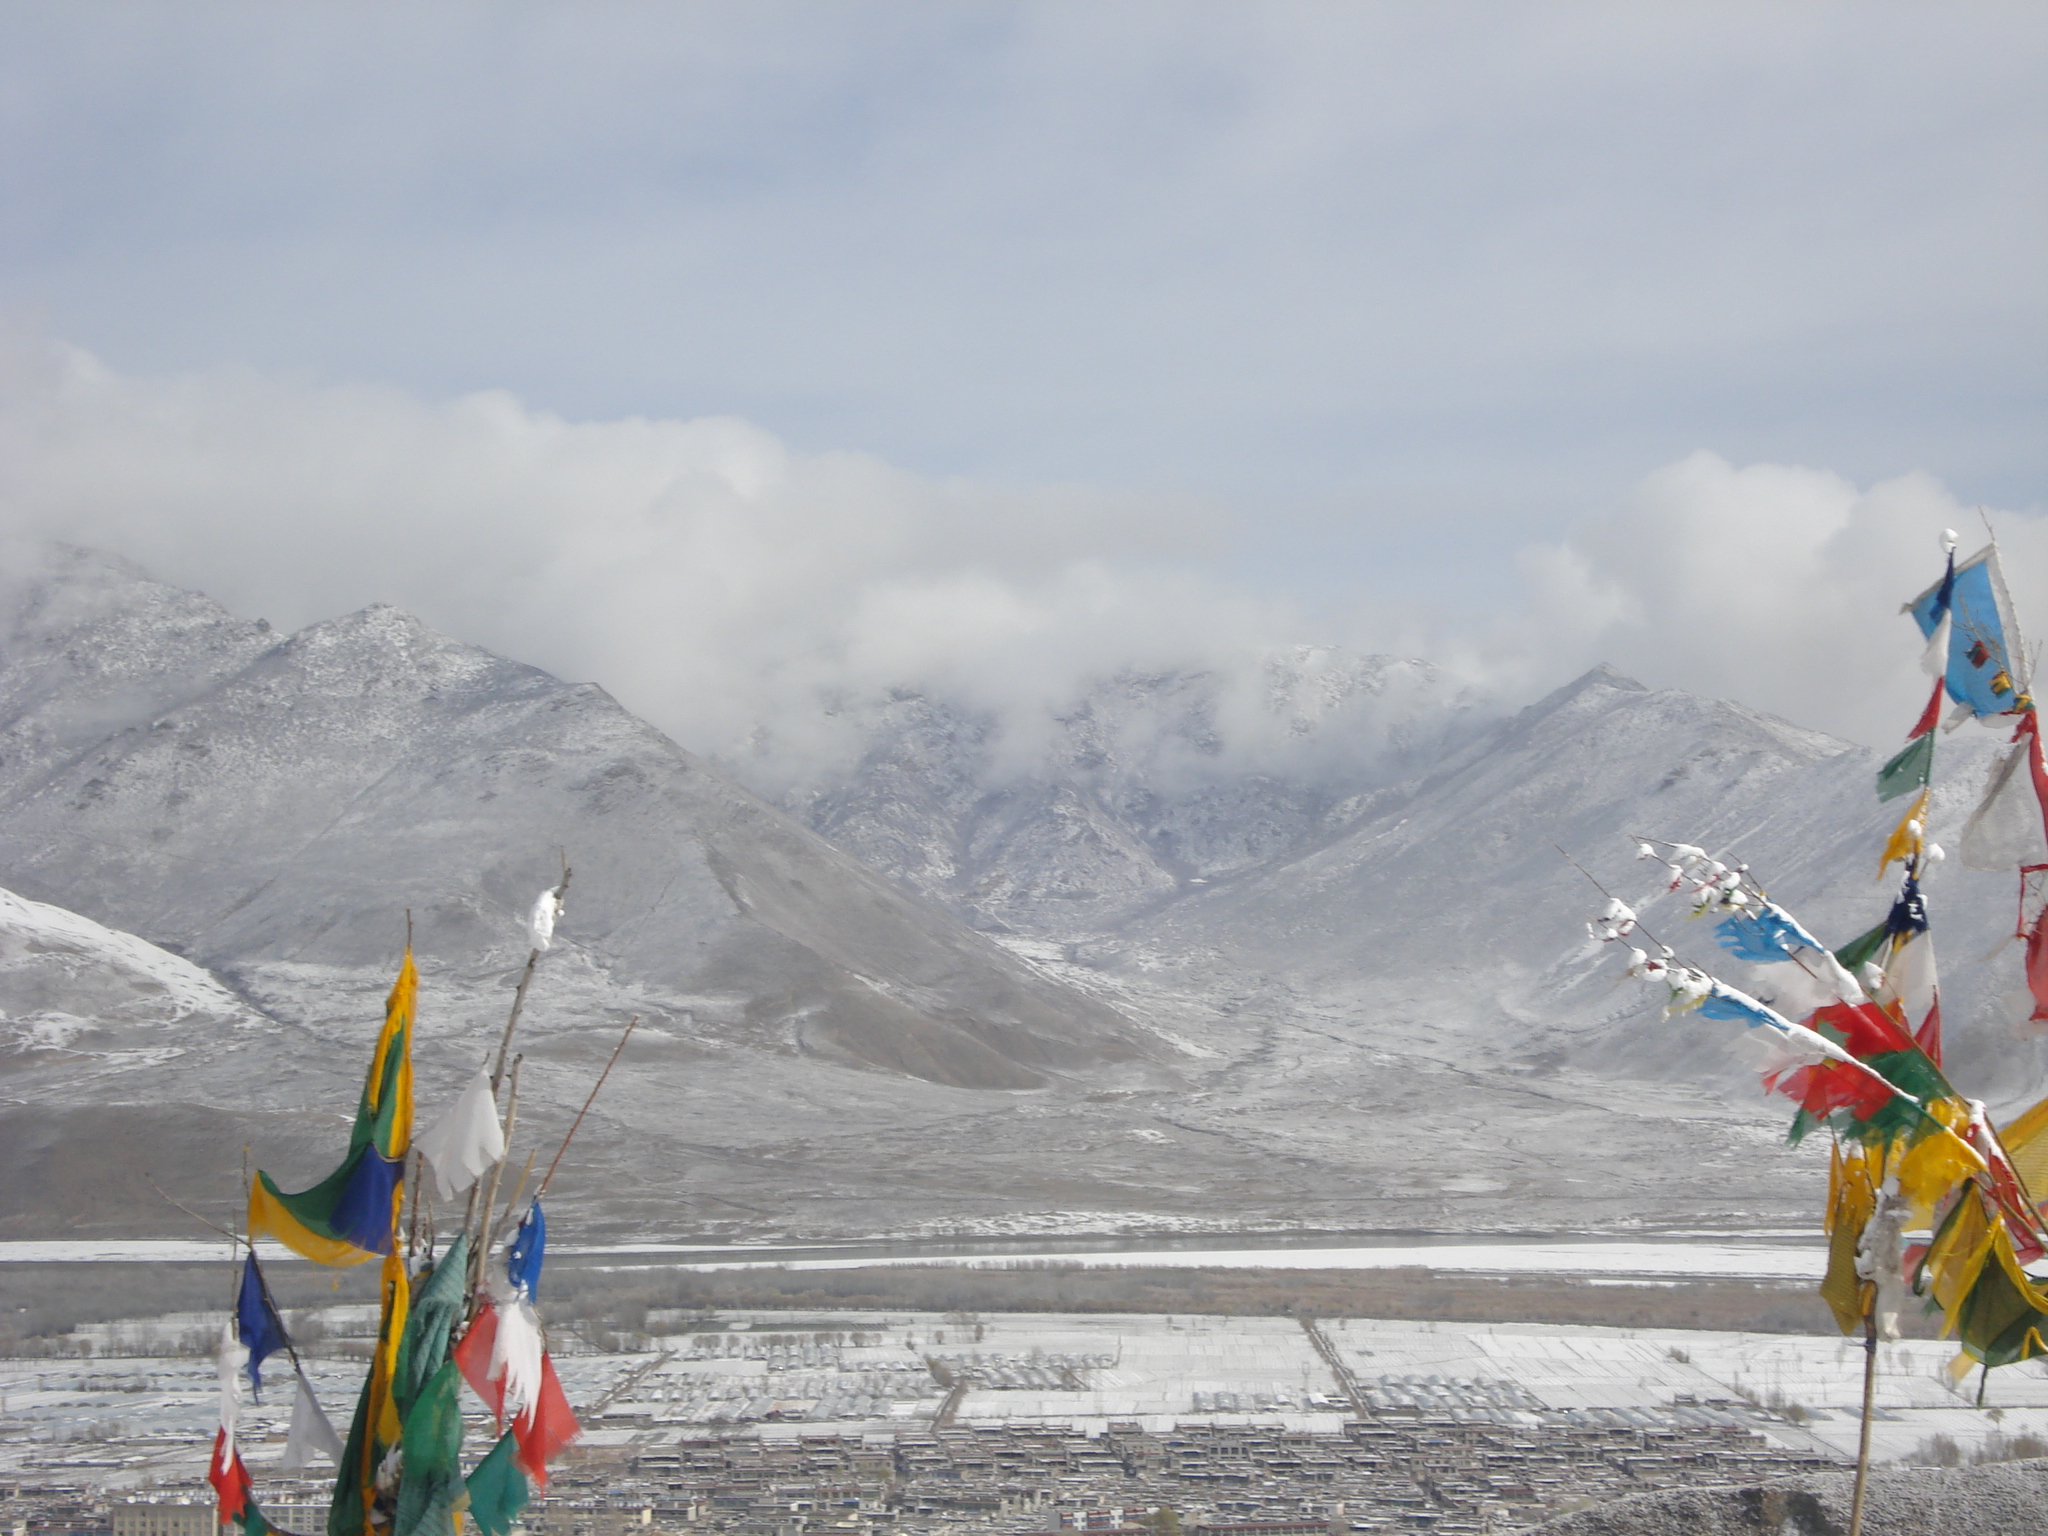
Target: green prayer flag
(346,1515)
(435,1309)
(430,1488)
(1861,950)
(497,1488)
(1909,771)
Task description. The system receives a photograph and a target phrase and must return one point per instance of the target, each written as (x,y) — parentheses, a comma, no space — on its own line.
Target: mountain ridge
(1396,1023)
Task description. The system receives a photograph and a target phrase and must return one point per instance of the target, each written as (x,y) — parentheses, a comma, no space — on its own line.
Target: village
(1010,1423)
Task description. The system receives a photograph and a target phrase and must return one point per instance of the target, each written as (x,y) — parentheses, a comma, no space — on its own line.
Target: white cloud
(735,591)
(716,581)
(1399,257)
(1772,584)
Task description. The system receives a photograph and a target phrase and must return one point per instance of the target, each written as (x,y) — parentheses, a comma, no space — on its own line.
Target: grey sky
(1389,291)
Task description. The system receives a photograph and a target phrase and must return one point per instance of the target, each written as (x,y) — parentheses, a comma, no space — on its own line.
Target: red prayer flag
(1866,1030)
(546,1428)
(473,1359)
(1930,717)
(1928,1035)
(229,1477)
(2037,968)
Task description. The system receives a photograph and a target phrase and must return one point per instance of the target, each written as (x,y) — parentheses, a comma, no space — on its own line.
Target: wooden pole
(1863,1439)
(631,1024)
(505,1220)
(469,1211)
(482,1240)
(519,996)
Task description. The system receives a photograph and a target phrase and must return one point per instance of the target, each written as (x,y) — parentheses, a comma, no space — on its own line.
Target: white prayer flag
(232,1358)
(540,923)
(310,1432)
(466,1141)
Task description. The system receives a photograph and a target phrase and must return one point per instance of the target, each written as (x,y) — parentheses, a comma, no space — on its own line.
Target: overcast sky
(1039,337)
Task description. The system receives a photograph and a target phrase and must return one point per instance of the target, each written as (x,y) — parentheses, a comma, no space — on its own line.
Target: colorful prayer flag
(1985,670)
(352,1215)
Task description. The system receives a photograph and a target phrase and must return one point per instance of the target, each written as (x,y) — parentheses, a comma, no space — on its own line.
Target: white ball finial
(1948,541)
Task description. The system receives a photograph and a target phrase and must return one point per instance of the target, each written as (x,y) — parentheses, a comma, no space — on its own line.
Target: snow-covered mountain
(277,799)
(1142,790)
(280,808)
(1450,907)
(1336,978)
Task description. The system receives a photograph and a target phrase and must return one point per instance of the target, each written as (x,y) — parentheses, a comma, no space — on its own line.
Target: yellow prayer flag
(1906,838)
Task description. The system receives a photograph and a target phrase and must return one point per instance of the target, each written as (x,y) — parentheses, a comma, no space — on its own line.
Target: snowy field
(1693,1260)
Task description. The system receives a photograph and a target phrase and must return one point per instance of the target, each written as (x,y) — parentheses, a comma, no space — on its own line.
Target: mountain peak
(1601,676)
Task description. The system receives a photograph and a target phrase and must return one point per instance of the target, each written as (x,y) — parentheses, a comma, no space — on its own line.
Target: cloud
(1398,259)
(751,599)
(1776,585)
(726,587)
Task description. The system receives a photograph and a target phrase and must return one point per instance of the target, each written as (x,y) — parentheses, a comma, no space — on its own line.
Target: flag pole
(1869,1402)
(525,979)
(504,1046)
(631,1024)
(480,1254)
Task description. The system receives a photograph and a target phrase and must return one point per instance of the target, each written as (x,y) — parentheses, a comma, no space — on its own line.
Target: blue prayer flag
(1984,668)
(256,1322)
(523,1258)
(1724,1004)
(1766,935)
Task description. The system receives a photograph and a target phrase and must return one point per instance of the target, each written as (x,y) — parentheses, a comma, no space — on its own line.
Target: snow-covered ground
(1659,1260)
(128,1419)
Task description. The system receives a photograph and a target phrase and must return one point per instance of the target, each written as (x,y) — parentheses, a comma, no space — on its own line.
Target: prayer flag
(1985,669)
(310,1431)
(435,1309)
(1911,769)
(257,1323)
(546,1429)
(497,1489)
(542,1421)
(528,1247)
(430,1492)
(352,1214)
(2005,830)
(228,1369)
(1908,837)
(1768,934)
(229,1477)
(467,1140)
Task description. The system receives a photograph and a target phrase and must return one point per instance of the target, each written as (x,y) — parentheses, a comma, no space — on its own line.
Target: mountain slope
(1451,911)
(1141,791)
(1319,1000)
(291,799)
